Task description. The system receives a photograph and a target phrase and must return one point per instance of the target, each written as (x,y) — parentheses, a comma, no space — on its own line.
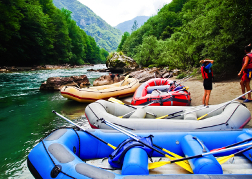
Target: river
(26,114)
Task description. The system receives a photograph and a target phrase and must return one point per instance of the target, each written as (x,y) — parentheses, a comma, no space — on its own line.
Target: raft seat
(192,145)
(190,116)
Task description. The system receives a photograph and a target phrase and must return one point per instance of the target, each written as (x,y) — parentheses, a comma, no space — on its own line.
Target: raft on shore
(164,90)
(119,90)
(231,116)
(70,153)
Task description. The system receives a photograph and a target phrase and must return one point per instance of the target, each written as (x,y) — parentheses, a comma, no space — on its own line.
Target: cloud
(115,12)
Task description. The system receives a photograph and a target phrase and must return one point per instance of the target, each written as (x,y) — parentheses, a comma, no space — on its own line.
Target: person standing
(246,73)
(207,74)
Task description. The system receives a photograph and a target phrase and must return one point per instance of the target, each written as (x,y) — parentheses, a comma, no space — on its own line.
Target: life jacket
(205,72)
(117,156)
(249,66)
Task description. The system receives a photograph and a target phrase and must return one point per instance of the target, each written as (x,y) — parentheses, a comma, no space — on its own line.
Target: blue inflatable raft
(69,153)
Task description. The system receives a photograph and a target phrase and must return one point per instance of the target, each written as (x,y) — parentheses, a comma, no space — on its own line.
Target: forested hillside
(35,32)
(127,25)
(187,31)
(106,36)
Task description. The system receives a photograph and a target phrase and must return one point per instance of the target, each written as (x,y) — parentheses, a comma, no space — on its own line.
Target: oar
(124,79)
(110,145)
(159,164)
(120,102)
(222,160)
(223,105)
(182,164)
(237,143)
(187,112)
(171,114)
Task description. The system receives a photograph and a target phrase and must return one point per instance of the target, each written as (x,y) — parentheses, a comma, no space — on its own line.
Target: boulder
(56,83)
(108,79)
(149,73)
(120,63)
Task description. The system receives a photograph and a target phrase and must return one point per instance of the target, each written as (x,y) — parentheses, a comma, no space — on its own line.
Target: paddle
(111,99)
(124,79)
(110,145)
(171,114)
(187,112)
(159,164)
(237,143)
(134,136)
(223,105)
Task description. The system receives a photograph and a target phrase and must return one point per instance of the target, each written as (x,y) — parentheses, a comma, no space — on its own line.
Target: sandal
(241,98)
(247,100)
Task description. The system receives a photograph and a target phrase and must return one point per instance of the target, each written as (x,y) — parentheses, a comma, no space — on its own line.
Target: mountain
(106,36)
(127,25)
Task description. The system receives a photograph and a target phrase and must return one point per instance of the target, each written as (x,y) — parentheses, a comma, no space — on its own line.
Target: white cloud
(116,11)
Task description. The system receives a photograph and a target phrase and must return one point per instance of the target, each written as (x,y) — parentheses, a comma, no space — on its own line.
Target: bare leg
(242,87)
(247,85)
(207,96)
(204,98)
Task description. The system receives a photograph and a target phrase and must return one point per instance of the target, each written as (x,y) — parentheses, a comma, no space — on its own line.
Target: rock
(121,63)
(108,79)
(56,83)
(149,73)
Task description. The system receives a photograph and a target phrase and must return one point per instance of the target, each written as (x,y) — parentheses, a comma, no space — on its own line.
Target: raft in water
(232,116)
(67,153)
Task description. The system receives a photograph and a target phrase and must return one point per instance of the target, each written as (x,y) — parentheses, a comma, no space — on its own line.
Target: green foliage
(187,31)
(135,26)
(35,32)
(124,38)
(181,75)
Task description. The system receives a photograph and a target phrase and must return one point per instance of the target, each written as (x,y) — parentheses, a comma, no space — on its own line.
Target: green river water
(26,114)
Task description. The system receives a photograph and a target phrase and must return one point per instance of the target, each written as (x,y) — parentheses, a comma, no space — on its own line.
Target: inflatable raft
(67,153)
(164,90)
(232,116)
(120,89)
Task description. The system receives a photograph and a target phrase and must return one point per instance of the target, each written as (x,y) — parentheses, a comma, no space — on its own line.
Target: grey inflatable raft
(232,116)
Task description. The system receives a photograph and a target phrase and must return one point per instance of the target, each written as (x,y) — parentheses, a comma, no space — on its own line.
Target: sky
(115,12)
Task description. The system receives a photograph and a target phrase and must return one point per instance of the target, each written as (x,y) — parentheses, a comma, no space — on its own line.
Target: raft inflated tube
(139,113)
(243,137)
(203,165)
(135,162)
(163,88)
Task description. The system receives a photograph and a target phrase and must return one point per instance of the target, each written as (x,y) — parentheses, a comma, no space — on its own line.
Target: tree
(135,26)
(124,38)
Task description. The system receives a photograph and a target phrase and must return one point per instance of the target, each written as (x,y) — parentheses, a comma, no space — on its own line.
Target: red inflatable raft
(166,91)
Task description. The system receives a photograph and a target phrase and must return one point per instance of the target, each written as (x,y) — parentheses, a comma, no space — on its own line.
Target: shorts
(245,77)
(208,84)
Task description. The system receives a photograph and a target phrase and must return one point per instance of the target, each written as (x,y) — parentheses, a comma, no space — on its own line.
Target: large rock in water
(121,63)
(108,79)
(56,83)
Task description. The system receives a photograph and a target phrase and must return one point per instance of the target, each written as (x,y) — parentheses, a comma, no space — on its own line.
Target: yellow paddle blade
(157,164)
(161,117)
(115,100)
(182,164)
(202,117)
(222,160)
(125,79)
(174,155)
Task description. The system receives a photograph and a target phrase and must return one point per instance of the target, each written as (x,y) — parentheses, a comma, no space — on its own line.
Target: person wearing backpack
(207,74)
(246,74)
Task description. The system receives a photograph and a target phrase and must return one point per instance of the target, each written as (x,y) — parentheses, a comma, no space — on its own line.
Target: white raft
(232,116)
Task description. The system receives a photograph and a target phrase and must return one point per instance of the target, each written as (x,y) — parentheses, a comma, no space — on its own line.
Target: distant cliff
(127,25)
(106,36)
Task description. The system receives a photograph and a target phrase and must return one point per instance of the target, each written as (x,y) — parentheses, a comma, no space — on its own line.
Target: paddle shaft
(130,135)
(84,130)
(223,105)
(233,144)
(214,152)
